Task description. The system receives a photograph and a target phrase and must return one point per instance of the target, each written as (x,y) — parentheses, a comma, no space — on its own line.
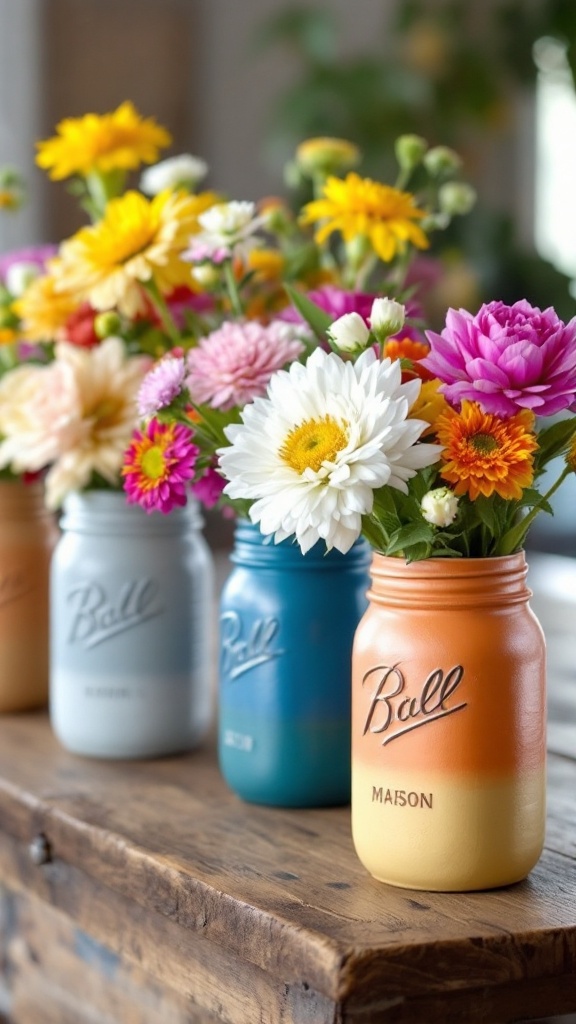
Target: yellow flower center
(312,443)
(484,443)
(153,463)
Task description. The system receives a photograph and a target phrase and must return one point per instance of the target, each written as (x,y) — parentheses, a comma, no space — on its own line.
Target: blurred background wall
(240,82)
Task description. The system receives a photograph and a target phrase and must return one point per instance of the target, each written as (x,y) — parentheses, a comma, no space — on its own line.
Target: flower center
(312,443)
(153,463)
(484,443)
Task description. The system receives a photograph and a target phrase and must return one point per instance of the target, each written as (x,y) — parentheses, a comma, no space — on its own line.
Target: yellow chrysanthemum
(361,208)
(138,241)
(266,264)
(484,454)
(121,140)
(7,335)
(43,309)
(429,405)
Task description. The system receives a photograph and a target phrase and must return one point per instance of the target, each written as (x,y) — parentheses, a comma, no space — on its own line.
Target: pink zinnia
(234,364)
(158,465)
(506,358)
(161,386)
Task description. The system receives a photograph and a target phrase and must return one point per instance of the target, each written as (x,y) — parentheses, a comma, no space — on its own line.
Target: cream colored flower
(75,415)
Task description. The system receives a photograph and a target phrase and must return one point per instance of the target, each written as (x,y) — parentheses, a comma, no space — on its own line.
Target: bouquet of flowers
(83,321)
(445,467)
(427,443)
(287,287)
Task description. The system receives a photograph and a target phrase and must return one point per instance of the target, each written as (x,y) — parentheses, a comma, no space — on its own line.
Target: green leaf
(554,440)
(411,534)
(318,319)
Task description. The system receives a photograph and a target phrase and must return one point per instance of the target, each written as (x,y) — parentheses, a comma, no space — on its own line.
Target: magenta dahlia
(506,358)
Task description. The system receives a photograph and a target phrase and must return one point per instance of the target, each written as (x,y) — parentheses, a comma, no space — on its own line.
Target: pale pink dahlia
(161,386)
(234,364)
(506,358)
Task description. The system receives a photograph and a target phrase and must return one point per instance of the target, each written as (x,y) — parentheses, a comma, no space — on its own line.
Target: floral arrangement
(287,286)
(82,322)
(449,467)
(427,443)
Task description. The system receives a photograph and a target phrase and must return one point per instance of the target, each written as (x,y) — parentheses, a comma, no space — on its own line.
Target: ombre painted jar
(287,624)
(449,725)
(130,621)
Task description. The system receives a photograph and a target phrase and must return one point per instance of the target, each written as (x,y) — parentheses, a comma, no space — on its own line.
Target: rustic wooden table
(146,893)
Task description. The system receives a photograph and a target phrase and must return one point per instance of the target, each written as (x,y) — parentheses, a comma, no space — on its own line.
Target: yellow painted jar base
(427,832)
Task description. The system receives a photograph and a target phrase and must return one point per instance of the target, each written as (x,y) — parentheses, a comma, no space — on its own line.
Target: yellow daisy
(44,309)
(484,454)
(121,140)
(361,208)
(137,242)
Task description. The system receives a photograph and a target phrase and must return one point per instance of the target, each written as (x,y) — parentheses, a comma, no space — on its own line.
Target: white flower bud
(439,506)
(409,151)
(386,317)
(206,275)
(441,161)
(349,333)
(19,276)
(183,171)
(456,197)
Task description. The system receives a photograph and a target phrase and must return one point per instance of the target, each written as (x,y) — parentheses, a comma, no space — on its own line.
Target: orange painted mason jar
(28,534)
(449,725)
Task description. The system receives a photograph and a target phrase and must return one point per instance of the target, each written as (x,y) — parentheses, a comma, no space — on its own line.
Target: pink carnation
(234,364)
(506,358)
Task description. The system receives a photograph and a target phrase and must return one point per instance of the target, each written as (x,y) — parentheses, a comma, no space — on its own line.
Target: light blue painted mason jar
(287,623)
(131,606)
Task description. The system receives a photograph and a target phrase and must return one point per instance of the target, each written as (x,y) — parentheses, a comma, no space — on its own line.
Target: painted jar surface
(28,534)
(449,725)
(131,608)
(287,623)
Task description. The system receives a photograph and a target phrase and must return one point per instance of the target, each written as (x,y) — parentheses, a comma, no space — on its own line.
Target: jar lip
(80,508)
(254,547)
(388,565)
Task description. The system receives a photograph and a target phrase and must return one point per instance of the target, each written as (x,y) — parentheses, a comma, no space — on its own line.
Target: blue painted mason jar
(131,606)
(287,624)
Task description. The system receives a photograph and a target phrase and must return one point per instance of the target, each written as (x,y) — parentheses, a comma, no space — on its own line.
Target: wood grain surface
(182,904)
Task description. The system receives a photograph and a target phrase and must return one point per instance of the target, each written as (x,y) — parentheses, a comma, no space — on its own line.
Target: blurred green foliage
(448,70)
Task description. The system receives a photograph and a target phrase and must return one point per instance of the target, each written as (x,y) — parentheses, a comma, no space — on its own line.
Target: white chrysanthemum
(75,415)
(183,170)
(328,434)
(226,229)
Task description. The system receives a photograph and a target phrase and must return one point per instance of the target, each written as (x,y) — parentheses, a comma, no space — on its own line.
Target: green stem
(514,538)
(163,312)
(232,289)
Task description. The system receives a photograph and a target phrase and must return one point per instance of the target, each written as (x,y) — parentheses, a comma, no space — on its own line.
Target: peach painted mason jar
(449,725)
(28,534)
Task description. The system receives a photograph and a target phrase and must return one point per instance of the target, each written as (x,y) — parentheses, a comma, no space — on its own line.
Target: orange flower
(484,454)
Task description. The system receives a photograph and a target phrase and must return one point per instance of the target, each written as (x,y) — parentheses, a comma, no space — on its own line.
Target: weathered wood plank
(279,893)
